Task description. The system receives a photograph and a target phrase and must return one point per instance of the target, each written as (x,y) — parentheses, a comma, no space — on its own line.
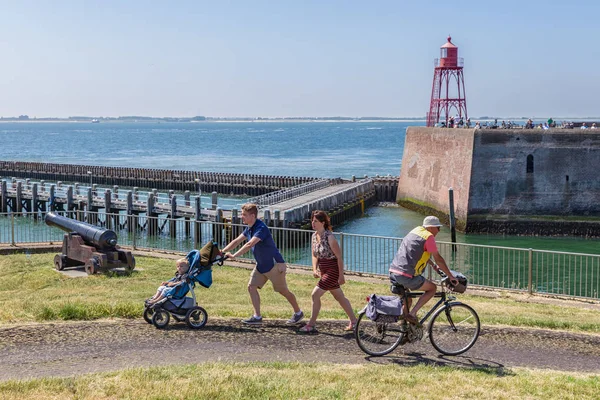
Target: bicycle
(454,326)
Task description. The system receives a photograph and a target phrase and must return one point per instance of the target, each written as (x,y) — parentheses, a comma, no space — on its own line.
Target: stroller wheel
(148,313)
(161,318)
(196,317)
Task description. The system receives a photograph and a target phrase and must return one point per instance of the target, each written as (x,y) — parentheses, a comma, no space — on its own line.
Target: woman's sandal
(350,328)
(307,329)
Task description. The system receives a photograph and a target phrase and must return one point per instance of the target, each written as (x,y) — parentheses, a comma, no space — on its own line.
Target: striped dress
(326,261)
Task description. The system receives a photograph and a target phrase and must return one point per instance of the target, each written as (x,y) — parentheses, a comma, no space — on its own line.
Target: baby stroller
(179,305)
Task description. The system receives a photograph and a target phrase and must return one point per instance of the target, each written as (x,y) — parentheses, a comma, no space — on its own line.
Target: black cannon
(86,244)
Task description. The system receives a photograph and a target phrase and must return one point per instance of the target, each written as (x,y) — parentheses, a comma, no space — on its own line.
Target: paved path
(71,348)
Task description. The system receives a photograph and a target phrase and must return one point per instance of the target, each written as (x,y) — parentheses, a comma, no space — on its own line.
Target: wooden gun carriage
(85,244)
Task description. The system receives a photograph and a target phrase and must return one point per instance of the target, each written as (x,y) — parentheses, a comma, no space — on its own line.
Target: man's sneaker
(253,320)
(297,317)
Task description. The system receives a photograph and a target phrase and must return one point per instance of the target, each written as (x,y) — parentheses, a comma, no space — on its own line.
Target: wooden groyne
(161,179)
(386,187)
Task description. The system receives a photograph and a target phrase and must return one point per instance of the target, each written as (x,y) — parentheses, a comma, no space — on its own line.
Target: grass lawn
(309,381)
(32,290)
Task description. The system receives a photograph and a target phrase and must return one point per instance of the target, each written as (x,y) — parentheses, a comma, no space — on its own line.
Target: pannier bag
(378,306)
(462,283)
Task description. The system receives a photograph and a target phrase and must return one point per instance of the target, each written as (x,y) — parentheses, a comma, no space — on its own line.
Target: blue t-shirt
(265,252)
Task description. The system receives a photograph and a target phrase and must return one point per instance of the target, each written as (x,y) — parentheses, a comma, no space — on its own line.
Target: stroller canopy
(201,262)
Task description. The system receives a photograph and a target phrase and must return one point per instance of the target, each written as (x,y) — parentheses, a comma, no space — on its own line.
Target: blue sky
(294,58)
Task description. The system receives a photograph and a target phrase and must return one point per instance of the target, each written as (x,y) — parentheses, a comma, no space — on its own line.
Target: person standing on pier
(328,265)
(411,259)
(270,265)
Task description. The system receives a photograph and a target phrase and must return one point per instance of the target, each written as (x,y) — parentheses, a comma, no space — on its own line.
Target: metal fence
(269,199)
(526,270)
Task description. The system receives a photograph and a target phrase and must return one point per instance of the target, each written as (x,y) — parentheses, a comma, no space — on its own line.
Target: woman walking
(328,265)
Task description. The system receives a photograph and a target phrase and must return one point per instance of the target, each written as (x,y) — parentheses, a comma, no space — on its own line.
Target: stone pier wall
(517,181)
(434,160)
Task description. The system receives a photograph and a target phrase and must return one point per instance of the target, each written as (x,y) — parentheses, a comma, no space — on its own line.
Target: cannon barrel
(99,237)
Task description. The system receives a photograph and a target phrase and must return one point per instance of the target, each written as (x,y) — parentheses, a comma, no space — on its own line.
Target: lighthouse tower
(448,92)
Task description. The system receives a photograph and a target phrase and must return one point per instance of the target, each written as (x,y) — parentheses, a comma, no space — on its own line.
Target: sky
(294,58)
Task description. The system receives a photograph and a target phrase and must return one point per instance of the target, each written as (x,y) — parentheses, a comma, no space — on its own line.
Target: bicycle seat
(400,290)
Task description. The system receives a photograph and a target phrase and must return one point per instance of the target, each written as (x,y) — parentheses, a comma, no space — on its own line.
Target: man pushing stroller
(270,265)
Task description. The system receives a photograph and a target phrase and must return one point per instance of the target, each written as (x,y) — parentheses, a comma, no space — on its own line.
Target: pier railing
(268,199)
(525,270)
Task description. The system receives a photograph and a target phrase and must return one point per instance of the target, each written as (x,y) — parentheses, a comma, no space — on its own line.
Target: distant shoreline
(169,120)
(211,121)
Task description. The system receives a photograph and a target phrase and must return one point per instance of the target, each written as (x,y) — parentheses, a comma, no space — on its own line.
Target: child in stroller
(169,287)
(173,299)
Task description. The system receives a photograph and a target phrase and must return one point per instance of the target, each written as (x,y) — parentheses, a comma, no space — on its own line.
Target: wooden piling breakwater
(341,199)
(283,201)
(386,188)
(161,179)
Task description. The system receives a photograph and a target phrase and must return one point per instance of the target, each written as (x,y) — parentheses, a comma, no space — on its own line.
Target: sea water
(316,149)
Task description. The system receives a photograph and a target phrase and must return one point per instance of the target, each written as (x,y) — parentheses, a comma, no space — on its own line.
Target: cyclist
(411,259)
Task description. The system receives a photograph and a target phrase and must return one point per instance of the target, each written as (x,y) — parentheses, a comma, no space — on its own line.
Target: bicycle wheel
(454,329)
(378,338)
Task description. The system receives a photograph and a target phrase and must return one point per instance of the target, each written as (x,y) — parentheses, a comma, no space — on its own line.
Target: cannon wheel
(60,262)
(131,265)
(92,266)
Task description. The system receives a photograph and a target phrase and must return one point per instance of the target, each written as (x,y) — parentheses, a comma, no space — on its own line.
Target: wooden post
(235,221)
(4,193)
(80,213)
(108,208)
(18,200)
(186,196)
(173,217)
(151,217)
(52,198)
(131,220)
(34,200)
(197,224)
(452,218)
(92,215)
(276,224)
(218,227)
(214,200)
(70,204)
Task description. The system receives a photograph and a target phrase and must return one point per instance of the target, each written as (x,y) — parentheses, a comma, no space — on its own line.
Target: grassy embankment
(309,381)
(32,291)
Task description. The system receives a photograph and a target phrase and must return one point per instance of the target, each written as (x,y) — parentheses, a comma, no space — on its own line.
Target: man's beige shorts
(276,275)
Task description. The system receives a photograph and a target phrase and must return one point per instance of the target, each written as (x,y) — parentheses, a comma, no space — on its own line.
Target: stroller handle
(220,259)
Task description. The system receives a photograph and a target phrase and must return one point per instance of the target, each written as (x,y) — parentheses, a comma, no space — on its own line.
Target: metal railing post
(134,243)
(342,246)
(12,229)
(530,268)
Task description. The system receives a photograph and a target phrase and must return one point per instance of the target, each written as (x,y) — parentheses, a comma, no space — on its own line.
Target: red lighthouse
(448,91)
